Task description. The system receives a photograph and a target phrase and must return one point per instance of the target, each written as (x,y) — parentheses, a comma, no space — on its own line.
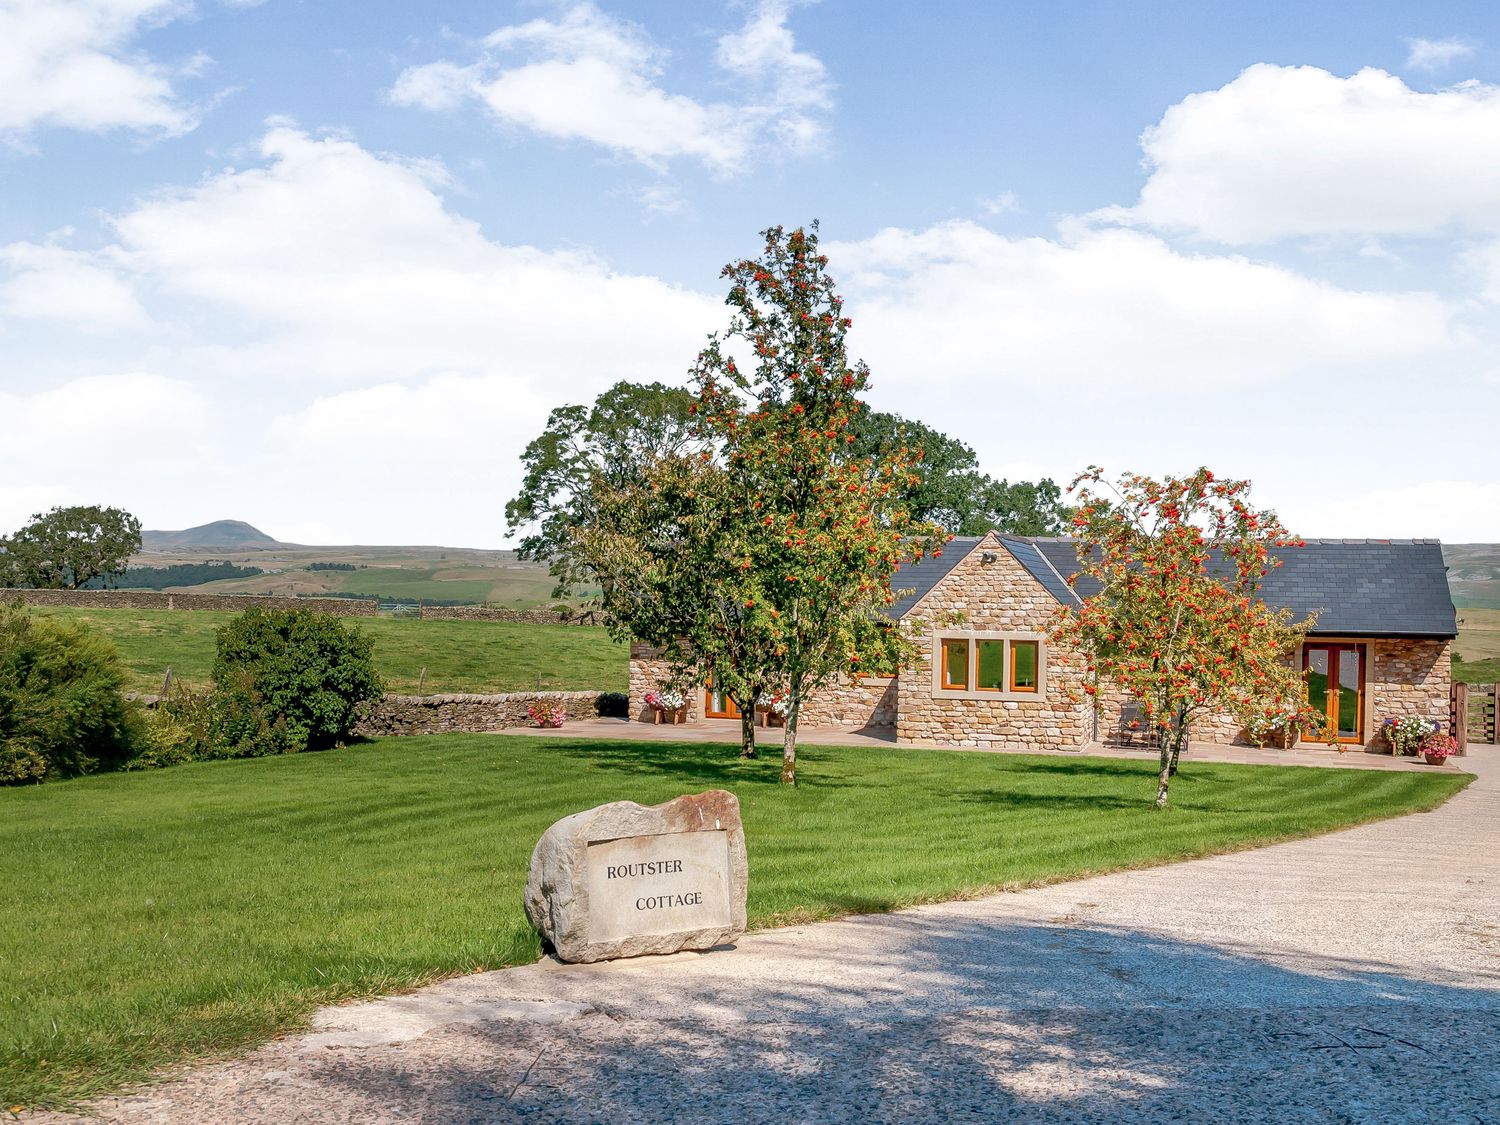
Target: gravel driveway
(1352,977)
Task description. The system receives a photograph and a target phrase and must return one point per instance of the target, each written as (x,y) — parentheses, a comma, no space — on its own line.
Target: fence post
(1493,727)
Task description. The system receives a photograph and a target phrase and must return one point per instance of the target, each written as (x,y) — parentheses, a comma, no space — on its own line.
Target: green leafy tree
(66,548)
(289,679)
(629,427)
(676,581)
(62,706)
(1178,622)
(948,489)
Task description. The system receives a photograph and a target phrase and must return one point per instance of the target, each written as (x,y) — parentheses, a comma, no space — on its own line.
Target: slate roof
(1360,587)
(919,577)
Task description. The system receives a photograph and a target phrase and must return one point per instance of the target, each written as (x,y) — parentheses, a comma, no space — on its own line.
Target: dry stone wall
(162,599)
(995,596)
(470,714)
(492,613)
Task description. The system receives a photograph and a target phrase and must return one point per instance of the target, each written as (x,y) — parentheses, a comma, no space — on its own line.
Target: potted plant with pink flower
(1438,747)
(544,716)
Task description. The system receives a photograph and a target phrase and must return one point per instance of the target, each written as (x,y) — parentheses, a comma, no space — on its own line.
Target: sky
(326,266)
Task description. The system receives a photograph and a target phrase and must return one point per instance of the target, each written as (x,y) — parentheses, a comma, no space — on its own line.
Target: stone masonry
(995,596)
(477,714)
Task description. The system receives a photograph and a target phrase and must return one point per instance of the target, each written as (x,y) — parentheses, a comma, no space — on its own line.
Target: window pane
(1023,670)
(956,664)
(991,672)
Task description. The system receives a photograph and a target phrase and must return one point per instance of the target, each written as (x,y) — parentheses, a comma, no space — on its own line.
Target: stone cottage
(1380,648)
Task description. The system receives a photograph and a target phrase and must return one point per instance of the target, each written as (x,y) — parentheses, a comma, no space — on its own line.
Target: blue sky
(326,266)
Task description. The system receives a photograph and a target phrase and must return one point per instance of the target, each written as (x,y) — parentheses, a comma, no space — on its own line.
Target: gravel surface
(1351,977)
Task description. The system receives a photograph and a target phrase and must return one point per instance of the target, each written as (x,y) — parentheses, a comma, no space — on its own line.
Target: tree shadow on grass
(711,764)
(938,1019)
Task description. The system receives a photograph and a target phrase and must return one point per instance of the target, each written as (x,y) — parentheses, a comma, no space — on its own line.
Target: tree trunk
(789,740)
(747,729)
(1164,775)
(1179,736)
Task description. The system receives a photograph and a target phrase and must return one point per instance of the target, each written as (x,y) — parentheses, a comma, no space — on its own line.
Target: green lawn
(154,917)
(459,656)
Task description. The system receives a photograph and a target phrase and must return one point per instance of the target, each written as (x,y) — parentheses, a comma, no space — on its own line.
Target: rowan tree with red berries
(1178,622)
(787,522)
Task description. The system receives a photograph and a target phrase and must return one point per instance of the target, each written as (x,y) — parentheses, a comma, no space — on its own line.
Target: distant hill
(219,534)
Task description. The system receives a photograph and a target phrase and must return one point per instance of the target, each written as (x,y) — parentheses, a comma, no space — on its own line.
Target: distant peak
(220,533)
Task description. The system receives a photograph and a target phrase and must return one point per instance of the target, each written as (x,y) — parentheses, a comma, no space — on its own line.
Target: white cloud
(69,63)
(1002,204)
(337,323)
(1456,511)
(48,282)
(1435,54)
(1295,151)
(342,265)
(1112,312)
(100,440)
(589,76)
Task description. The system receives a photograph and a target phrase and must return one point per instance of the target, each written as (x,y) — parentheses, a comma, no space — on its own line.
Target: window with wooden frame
(990,665)
(955,672)
(1025,666)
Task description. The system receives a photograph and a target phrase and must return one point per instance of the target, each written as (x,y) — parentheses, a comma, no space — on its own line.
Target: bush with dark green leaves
(62,708)
(287,680)
(613,705)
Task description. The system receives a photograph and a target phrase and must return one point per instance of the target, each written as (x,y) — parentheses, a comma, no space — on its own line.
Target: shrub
(180,728)
(288,680)
(62,708)
(613,705)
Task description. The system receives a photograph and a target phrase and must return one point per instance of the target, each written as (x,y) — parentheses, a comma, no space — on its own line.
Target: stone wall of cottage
(1402,677)
(1408,677)
(991,596)
(852,704)
(649,671)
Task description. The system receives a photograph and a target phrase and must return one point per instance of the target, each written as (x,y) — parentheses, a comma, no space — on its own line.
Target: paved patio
(1353,977)
(769,739)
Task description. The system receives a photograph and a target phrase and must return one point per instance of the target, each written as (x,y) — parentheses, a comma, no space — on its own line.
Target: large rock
(623,879)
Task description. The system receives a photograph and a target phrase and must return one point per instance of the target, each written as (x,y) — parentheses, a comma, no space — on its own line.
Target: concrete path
(769,741)
(1351,977)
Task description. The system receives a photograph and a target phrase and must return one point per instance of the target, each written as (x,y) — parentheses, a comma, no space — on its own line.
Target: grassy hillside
(1474,574)
(438,574)
(460,656)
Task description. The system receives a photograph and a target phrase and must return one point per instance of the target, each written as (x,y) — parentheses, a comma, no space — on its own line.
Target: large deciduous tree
(629,427)
(791,535)
(632,425)
(1178,622)
(948,488)
(66,548)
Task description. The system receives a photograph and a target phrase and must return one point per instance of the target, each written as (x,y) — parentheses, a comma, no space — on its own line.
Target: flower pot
(1435,759)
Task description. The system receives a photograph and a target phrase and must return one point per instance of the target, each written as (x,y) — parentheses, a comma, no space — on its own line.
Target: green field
(460,656)
(154,917)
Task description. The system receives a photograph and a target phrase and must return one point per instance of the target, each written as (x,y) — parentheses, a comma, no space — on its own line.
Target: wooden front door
(717,705)
(1335,678)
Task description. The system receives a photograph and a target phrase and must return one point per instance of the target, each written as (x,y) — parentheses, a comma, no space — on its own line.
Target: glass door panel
(717,705)
(1348,687)
(1335,678)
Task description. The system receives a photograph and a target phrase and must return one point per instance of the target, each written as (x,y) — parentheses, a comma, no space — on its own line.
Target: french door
(717,705)
(1335,677)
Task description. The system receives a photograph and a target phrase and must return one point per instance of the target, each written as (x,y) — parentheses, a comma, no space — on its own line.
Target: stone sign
(625,879)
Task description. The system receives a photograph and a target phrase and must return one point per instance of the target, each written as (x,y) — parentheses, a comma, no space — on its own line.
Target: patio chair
(1131,729)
